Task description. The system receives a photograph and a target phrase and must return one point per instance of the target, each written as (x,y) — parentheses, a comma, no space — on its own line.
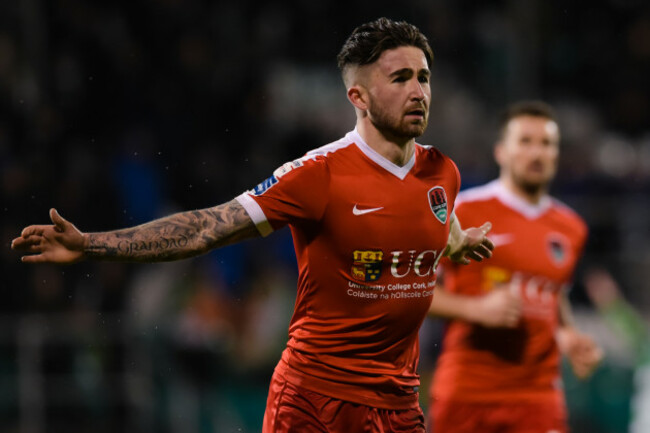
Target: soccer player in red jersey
(371,215)
(510,317)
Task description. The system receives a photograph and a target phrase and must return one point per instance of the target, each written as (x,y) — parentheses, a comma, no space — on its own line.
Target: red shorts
(292,409)
(514,417)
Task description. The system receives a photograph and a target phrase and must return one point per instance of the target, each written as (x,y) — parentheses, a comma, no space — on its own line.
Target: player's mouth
(418,113)
(536,167)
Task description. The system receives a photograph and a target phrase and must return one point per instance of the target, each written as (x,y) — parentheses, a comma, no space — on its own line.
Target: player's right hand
(61,242)
(500,308)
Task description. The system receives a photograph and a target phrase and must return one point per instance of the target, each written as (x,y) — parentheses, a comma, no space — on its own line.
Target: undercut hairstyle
(368,41)
(525,108)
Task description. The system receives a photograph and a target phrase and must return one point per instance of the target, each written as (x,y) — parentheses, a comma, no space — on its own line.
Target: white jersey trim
(496,189)
(353,137)
(371,153)
(256,213)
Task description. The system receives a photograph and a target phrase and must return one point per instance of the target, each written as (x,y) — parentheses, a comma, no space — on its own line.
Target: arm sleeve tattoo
(178,236)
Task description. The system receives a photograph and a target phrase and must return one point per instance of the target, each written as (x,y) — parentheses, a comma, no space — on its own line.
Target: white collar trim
(517,203)
(389,166)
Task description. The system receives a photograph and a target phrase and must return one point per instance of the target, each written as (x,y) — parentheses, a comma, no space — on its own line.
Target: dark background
(119,112)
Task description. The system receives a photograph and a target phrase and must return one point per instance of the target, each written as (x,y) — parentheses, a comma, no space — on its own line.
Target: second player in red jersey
(499,370)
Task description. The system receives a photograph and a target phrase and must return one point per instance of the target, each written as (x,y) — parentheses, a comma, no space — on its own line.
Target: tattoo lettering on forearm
(130,247)
(177,236)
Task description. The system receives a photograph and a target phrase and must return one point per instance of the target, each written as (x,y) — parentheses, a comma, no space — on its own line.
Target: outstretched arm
(473,243)
(178,236)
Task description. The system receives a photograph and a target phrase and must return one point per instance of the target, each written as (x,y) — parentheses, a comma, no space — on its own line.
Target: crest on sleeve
(438,203)
(264,186)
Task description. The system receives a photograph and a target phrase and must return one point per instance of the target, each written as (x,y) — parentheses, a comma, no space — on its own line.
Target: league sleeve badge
(264,186)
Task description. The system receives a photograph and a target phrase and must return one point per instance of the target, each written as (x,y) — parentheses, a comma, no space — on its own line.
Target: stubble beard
(397,128)
(532,188)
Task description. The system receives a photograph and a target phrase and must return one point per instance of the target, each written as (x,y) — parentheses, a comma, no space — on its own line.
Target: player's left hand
(474,245)
(583,353)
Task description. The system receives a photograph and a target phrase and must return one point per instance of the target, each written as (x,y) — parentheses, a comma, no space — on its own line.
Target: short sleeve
(295,193)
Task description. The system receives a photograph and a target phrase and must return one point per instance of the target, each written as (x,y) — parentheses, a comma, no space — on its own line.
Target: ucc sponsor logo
(367,264)
(421,264)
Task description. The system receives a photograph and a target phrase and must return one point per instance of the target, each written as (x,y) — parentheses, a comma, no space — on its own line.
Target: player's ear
(498,152)
(357,96)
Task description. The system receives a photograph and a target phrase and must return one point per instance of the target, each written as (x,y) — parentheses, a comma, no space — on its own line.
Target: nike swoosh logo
(357,211)
(502,239)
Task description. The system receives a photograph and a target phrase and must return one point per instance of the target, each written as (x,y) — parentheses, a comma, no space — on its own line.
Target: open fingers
(17,243)
(484,250)
(474,256)
(33,230)
(488,244)
(31,248)
(34,247)
(479,253)
(35,258)
(25,243)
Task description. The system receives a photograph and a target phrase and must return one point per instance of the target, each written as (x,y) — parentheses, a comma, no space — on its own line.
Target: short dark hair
(369,40)
(532,108)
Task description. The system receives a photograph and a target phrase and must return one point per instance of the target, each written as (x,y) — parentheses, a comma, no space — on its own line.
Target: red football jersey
(368,235)
(536,250)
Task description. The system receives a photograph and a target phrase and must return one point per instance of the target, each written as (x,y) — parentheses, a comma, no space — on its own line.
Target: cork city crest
(438,203)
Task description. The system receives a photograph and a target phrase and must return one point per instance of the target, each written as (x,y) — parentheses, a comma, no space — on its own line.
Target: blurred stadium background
(119,112)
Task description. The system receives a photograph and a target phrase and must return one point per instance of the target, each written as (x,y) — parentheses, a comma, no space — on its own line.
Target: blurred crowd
(117,113)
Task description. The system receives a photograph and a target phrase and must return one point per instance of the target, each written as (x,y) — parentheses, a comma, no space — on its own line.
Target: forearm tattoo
(178,236)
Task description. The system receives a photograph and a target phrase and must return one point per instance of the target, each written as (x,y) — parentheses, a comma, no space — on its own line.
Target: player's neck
(397,151)
(530,196)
